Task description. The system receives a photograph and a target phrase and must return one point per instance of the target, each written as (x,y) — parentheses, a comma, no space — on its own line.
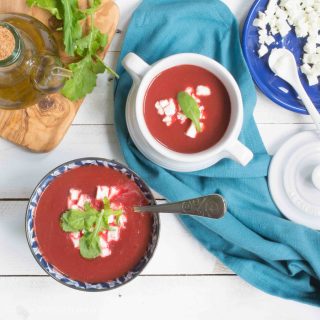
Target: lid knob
(316,177)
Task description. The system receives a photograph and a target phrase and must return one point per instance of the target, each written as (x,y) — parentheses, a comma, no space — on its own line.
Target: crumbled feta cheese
(304,16)
(75,238)
(105,250)
(102,192)
(163,103)
(263,51)
(306,69)
(270,40)
(167,108)
(259,23)
(192,131)
(159,108)
(167,120)
(189,90)
(113,192)
(310,48)
(195,98)
(181,117)
(284,28)
(312,79)
(74,194)
(114,234)
(122,220)
(83,199)
(203,91)
(170,109)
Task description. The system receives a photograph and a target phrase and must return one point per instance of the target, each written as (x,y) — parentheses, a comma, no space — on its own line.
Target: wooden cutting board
(41,127)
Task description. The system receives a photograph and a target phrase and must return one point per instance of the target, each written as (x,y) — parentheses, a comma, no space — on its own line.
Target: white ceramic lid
(294,179)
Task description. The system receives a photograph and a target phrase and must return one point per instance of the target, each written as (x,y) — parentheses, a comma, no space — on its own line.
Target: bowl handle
(240,153)
(135,66)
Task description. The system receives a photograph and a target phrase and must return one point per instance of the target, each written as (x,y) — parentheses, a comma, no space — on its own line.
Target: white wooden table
(183,281)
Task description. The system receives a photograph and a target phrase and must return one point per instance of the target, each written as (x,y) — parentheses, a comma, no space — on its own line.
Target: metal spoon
(212,206)
(283,64)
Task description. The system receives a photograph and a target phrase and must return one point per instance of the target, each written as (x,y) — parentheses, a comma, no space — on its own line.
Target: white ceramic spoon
(283,64)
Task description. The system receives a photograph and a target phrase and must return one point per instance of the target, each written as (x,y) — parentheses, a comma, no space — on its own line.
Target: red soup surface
(121,251)
(164,117)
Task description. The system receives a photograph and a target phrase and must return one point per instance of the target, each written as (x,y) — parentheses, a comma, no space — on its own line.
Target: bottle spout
(48,75)
(61,72)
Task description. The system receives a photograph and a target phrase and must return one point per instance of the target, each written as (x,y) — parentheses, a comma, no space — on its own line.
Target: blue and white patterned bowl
(32,238)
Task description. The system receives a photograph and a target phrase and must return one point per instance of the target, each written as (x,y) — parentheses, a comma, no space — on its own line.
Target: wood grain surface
(41,127)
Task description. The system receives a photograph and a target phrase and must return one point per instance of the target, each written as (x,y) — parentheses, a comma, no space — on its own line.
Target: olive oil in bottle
(29,62)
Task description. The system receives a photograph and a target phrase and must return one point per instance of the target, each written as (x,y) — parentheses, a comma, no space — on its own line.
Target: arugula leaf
(83,79)
(103,65)
(90,246)
(91,43)
(72,29)
(190,108)
(93,4)
(90,242)
(91,222)
(53,6)
(88,64)
(73,220)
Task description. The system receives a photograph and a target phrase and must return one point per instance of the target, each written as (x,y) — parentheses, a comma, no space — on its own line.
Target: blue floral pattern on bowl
(32,239)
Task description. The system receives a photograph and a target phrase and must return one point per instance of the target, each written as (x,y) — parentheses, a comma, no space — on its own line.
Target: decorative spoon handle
(212,206)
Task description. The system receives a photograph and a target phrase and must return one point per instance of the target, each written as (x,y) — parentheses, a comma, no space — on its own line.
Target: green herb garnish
(85,48)
(190,108)
(91,222)
(53,6)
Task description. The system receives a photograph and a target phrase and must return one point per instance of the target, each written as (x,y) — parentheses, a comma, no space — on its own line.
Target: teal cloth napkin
(253,239)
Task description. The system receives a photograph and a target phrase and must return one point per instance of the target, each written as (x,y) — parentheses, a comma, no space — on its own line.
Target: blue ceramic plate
(32,237)
(271,85)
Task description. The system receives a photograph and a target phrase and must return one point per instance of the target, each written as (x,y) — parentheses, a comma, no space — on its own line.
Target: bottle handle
(135,66)
(239,153)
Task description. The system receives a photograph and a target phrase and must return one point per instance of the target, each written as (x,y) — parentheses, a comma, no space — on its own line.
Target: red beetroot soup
(164,117)
(122,252)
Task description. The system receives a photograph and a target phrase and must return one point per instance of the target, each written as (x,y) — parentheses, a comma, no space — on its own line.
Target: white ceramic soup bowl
(227,147)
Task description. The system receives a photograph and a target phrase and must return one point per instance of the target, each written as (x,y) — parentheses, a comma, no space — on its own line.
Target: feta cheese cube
(105,250)
(122,221)
(84,198)
(189,90)
(192,131)
(270,40)
(306,69)
(170,109)
(203,91)
(102,192)
(114,234)
(262,51)
(259,23)
(167,120)
(181,117)
(113,192)
(313,80)
(74,194)
(284,28)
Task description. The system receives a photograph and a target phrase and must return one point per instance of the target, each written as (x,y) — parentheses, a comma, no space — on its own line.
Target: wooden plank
(178,253)
(146,297)
(22,170)
(42,126)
